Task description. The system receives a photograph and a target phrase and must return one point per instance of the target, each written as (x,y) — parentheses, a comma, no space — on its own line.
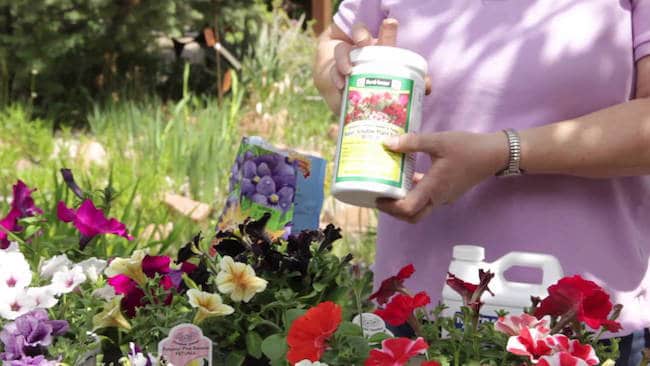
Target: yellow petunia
(130,267)
(239,280)
(207,304)
(111,316)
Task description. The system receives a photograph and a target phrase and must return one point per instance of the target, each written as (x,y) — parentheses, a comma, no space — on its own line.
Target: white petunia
(43,296)
(105,293)
(15,302)
(14,271)
(67,279)
(54,264)
(13,247)
(93,267)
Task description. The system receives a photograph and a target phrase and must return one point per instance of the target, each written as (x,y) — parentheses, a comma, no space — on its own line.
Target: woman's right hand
(333,59)
(361,37)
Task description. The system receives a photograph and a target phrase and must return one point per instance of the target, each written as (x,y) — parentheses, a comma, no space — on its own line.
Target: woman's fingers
(388,32)
(361,36)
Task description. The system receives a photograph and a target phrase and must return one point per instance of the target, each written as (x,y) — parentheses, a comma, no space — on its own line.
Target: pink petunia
(91,221)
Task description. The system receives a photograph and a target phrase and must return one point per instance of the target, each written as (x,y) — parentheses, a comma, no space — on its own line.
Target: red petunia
(396,352)
(561,359)
(309,333)
(392,284)
(575,296)
(470,292)
(530,342)
(401,307)
(430,363)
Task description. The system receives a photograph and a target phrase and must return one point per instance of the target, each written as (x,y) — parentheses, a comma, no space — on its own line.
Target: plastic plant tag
(286,184)
(186,346)
(371,324)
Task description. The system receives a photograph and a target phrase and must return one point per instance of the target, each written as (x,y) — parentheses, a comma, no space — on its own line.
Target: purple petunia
(31,361)
(91,221)
(30,335)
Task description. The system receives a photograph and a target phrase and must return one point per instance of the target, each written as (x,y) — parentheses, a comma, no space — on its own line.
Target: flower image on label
(376,107)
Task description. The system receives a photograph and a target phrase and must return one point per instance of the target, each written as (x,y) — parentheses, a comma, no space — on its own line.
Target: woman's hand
(333,57)
(459,161)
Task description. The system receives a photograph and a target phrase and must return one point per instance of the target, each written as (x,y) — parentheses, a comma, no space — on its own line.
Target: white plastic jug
(510,296)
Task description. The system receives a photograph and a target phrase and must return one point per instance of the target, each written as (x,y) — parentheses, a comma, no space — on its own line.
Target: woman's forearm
(611,142)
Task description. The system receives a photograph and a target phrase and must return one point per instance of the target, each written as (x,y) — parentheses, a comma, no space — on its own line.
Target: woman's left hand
(459,161)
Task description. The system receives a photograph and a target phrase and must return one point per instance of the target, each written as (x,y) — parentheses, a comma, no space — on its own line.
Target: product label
(186,346)
(375,108)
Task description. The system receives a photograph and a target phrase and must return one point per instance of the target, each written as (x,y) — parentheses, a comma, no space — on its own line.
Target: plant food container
(383,98)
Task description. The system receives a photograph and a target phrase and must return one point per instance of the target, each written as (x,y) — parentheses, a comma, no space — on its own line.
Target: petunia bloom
(68,279)
(396,352)
(530,342)
(111,316)
(392,284)
(15,302)
(208,305)
(22,205)
(30,335)
(513,324)
(309,333)
(238,280)
(15,272)
(471,293)
(561,359)
(130,267)
(91,221)
(575,297)
(562,343)
(401,307)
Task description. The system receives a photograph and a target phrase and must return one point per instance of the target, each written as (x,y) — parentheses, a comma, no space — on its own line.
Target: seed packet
(284,183)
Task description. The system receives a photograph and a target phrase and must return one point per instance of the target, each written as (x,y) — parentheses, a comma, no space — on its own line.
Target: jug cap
(472,253)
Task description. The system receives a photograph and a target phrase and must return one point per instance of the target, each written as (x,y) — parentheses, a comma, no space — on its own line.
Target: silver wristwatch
(514,156)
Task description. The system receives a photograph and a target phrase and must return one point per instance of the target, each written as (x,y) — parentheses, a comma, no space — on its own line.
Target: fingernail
(340,84)
(391,141)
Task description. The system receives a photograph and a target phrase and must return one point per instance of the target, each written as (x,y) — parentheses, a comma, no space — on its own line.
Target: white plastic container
(383,98)
(510,296)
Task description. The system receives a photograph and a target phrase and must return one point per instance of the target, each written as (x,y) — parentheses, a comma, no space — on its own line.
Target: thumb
(411,142)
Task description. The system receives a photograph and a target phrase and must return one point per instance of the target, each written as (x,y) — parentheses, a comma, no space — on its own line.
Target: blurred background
(135,98)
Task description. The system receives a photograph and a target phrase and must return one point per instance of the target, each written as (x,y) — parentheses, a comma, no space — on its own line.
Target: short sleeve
(641,28)
(368,12)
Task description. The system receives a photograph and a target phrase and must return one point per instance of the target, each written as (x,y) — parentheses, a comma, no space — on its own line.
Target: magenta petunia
(22,205)
(23,201)
(91,221)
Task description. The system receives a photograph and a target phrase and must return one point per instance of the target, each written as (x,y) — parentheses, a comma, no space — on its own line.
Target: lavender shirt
(523,63)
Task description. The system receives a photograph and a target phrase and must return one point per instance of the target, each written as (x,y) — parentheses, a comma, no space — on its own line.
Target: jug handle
(550,266)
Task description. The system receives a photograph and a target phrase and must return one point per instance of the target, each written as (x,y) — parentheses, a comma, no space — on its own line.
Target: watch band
(514,155)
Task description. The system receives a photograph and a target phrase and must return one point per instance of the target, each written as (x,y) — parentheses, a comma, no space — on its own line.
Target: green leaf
(235,359)
(275,347)
(349,329)
(254,344)
(318,286)
(378,337)
(291,315)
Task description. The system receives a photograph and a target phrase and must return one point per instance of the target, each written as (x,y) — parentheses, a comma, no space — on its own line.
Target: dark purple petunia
(68,178)
(91,221)
(30,335)
(22,206)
